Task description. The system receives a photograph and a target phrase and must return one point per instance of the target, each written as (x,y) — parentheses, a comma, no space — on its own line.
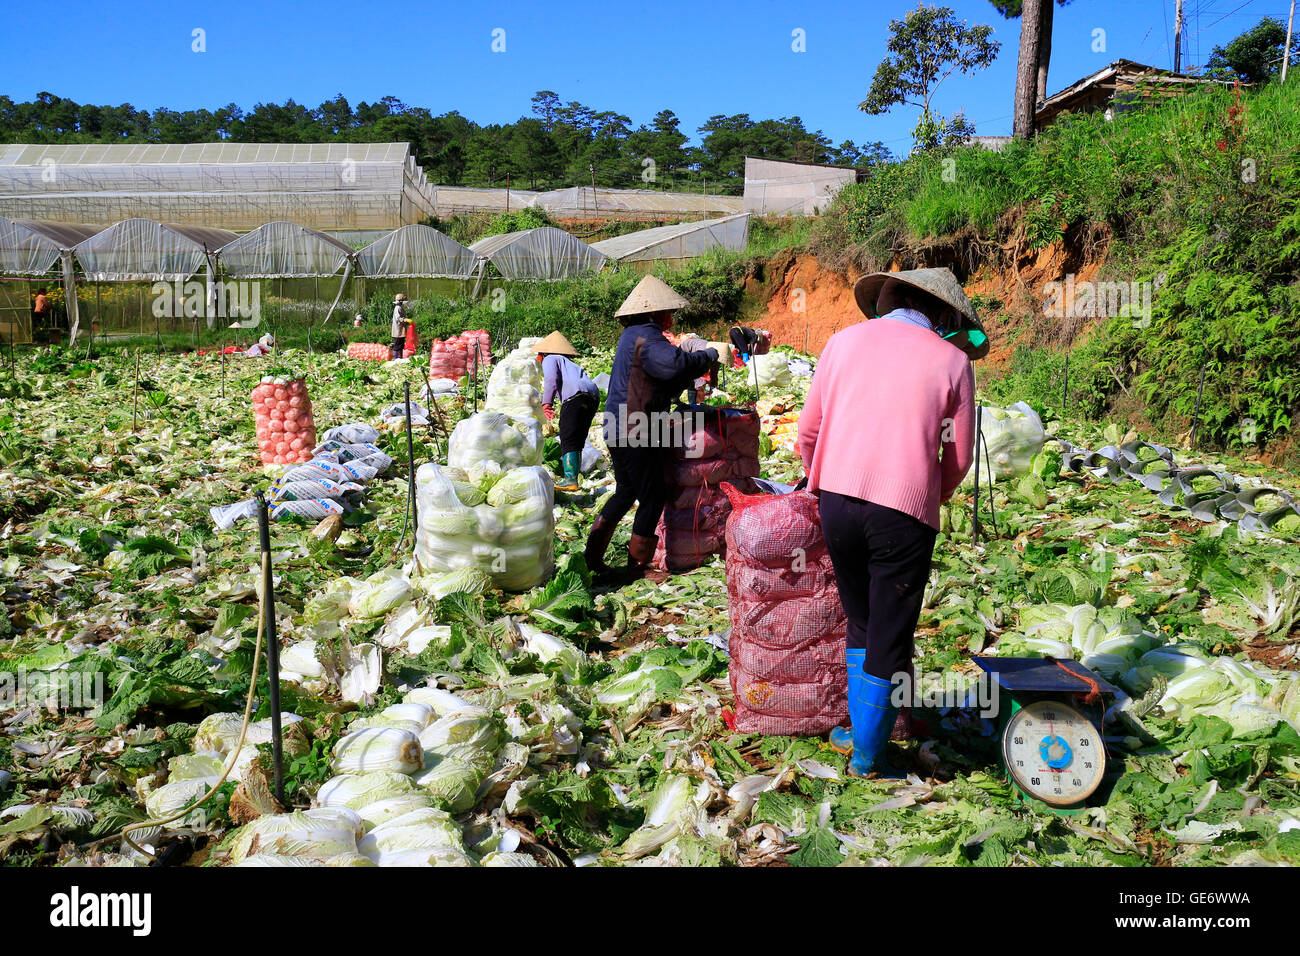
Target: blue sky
(697,59)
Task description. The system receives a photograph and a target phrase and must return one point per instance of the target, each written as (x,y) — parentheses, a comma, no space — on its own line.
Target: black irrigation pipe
(272,644)
(975,527)
(989,468)
(1196,416)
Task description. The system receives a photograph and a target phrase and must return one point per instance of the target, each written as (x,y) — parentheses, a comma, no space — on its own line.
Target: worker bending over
(567,383)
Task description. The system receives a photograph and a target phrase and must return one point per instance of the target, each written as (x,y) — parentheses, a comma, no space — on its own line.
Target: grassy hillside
(1198,196)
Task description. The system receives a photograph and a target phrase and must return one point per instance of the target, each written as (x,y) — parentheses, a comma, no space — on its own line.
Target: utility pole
(1178,35)
(1286,50)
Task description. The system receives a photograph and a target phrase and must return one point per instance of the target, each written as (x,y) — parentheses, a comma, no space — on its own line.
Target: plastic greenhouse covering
(577,202)
(284,249)
(30,248)
(416,252)
(236,185)
(144,250)
(545,253)
(681,241)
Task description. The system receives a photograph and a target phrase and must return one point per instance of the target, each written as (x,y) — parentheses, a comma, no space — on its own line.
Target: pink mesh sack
(787,625)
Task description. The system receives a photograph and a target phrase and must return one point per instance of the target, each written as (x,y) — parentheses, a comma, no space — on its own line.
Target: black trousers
(638,479)
(576,416)
(398,346)
(882,562)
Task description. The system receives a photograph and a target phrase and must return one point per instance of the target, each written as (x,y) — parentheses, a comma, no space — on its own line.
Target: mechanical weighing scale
(1051,744)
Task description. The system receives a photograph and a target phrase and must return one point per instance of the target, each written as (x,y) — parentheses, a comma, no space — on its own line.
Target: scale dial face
(1053,753)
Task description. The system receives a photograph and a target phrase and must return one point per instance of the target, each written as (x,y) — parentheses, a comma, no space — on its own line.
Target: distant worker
(567,383)
(400,322)
(887,433)
(649,372)
(262,346)
(41,312)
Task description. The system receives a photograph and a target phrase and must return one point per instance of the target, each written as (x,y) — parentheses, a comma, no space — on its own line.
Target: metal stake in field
(474,377)
(975,527)
(1196,416)
(410,460)
(272,643)
(135,393)
(1065,385)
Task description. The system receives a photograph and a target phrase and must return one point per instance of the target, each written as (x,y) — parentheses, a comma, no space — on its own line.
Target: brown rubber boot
(640,556)
(602,530)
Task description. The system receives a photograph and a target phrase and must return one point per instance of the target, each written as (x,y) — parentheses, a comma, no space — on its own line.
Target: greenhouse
(546,253)
(683,241)
(284,249)
(31,250)
(338,186)
(417,252)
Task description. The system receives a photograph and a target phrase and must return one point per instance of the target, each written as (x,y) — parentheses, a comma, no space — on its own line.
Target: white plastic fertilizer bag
(494,436)
(501,522)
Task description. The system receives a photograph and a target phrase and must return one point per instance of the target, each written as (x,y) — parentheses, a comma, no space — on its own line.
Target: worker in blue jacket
(649,372)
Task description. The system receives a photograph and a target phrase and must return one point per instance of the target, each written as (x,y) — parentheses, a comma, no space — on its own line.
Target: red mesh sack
(447,360)
(286,428)
(723,446)
(787,625)
(483,358)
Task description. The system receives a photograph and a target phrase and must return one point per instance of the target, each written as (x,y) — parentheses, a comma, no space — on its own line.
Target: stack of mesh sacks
(723,446)
(334,477)
(515,387)
(286,428)
(369,351)
(492,506)
(328,483)
(787,624)
(460,355)
(447,360)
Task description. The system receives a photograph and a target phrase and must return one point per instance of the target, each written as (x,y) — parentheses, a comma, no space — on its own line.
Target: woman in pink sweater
(887,434)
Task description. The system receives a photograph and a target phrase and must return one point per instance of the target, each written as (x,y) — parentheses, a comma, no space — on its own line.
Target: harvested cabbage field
(447,713)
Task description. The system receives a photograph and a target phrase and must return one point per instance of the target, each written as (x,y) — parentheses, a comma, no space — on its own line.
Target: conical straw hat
(940,283)
(555,344)
(650,295)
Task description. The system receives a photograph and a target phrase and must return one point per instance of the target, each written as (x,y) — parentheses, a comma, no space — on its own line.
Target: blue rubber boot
(872,716)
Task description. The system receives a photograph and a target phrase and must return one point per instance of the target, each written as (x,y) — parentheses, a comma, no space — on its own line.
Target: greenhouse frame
(683,241)
(544,254)
(294,268)
(29,250)
(240,186)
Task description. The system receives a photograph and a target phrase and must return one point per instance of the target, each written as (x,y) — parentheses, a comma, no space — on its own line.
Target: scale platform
(1052,750)
(1039,675)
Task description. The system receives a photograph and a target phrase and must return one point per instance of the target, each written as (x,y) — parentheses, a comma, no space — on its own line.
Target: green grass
(1199,191)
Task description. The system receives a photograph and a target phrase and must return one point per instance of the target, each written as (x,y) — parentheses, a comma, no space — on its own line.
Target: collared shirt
(399,320)
(564,378)
(911,317)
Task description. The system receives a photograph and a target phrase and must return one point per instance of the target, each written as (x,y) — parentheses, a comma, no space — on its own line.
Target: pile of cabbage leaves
(431,719)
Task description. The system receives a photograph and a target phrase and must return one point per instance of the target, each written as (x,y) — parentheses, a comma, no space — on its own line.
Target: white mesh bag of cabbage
(515,387)
(499,521)
(495,436)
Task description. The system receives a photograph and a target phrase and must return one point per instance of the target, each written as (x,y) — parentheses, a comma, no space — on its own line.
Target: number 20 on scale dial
(1053,753)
